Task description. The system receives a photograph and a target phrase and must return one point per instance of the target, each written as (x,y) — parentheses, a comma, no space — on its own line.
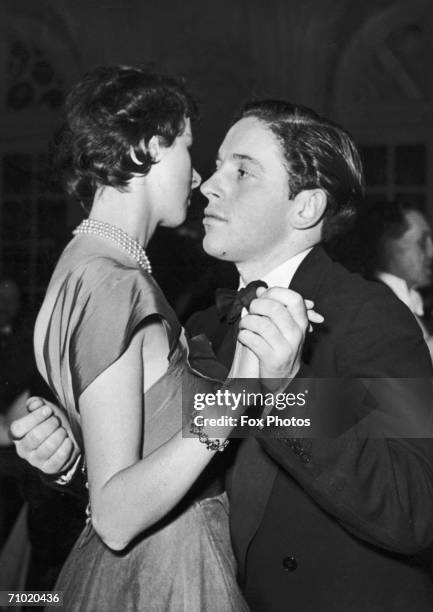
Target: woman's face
(178,179)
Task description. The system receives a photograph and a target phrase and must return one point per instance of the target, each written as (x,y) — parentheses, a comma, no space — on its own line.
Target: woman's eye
(242,172)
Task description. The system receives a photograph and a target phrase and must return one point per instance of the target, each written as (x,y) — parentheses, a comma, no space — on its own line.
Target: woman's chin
(174,221)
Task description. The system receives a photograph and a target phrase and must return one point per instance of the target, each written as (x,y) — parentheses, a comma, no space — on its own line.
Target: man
(399,240)
(407,248)
(316,524)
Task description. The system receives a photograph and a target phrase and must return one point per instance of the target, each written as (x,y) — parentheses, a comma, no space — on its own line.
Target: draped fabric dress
(185,562)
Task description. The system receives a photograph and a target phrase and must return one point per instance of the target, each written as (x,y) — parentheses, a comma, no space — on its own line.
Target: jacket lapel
(250,481)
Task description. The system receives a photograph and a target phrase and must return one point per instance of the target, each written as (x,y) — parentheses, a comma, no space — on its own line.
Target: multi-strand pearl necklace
(120,238)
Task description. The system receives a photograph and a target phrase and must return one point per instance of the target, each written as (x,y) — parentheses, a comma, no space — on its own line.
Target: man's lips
(211,217)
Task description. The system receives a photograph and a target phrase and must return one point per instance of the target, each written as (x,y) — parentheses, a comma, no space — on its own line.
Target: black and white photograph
(216,305)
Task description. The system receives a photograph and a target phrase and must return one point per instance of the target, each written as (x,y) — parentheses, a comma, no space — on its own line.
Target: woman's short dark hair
(318,153)
(112,109)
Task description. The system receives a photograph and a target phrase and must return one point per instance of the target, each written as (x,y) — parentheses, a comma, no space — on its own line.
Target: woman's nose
(196,179)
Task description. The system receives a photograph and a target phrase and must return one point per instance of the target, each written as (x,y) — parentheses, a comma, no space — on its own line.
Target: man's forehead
(248,138)
(417,227)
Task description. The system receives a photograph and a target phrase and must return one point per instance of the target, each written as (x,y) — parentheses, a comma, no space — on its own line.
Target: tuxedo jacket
(343,523)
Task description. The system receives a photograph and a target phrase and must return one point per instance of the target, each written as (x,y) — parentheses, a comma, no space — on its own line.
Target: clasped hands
(271,336)
(270,341)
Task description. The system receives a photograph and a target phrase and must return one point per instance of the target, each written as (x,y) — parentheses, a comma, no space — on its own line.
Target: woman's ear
(153,149)
(308,208)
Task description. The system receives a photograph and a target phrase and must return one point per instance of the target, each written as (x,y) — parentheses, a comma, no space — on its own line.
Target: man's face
(246,219)
(411,256)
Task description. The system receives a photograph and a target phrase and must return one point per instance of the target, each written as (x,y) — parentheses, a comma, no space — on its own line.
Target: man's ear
(308,208)
(153,148)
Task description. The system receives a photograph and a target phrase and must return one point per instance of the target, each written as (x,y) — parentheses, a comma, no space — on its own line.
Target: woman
(114,353)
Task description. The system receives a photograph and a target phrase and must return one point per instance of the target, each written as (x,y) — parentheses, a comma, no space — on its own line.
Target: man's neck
(258,269)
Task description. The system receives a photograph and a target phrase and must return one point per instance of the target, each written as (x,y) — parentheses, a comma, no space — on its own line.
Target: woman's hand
(245,363)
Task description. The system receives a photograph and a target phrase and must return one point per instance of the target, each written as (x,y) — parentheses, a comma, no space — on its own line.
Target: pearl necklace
(120,238)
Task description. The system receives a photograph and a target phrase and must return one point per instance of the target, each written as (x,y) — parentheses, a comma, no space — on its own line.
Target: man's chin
(208,246)
(214,248)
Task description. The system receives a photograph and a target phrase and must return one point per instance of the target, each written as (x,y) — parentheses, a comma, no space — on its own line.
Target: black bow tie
(229,302)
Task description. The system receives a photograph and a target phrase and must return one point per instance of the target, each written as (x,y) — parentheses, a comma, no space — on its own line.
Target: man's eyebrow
(243,157)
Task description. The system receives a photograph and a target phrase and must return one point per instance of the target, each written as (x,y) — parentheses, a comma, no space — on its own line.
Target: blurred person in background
(392,242)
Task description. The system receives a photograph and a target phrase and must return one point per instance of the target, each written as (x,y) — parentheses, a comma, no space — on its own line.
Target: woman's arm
(129,494)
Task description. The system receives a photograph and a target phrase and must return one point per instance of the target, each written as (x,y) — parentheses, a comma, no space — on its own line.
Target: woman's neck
(126,210)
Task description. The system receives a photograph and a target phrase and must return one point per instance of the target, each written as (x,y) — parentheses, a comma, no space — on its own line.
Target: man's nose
(209,188)
(196,179)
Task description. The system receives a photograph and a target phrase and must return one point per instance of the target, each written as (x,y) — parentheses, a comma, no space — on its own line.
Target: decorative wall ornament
(388,60)
(32,79)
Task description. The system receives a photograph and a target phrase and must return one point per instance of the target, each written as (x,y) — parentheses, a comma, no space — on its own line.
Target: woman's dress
(184,563)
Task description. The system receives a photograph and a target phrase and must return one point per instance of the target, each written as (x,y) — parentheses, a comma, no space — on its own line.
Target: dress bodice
(101,297)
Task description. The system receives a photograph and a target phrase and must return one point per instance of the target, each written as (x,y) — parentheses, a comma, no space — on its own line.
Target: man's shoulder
(354,305)
(369,326)
(340,287)
(329,283)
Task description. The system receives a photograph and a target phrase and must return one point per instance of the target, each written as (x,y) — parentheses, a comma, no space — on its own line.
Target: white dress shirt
(282,275)
(410,297)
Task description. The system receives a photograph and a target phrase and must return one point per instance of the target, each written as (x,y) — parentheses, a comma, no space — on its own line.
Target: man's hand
(275,330)
(15,410)
(44,438)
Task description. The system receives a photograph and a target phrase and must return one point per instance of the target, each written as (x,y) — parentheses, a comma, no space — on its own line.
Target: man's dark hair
(318,154)
(112,109)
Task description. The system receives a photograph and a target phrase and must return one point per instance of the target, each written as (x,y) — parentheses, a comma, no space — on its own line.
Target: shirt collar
(282,275)
(410,297)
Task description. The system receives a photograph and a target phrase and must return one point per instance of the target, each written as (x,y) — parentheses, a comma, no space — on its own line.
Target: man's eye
(242,172)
